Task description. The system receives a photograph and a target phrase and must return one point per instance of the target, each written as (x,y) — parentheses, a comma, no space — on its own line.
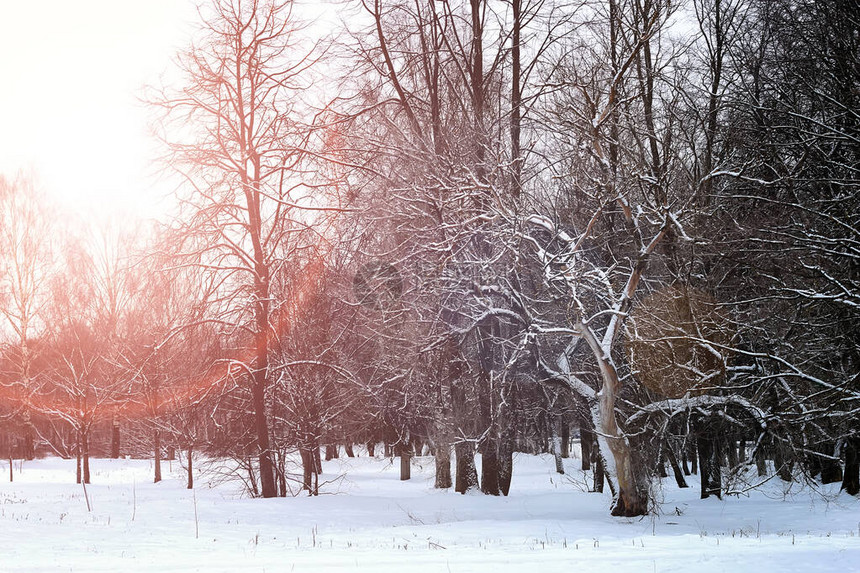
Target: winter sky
(72,74)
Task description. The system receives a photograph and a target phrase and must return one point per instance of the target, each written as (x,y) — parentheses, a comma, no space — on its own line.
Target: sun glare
(70,112)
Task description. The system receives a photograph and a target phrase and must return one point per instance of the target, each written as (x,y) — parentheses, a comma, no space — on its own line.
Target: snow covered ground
(371,521)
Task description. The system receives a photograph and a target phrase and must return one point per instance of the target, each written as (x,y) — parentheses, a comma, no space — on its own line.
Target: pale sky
(71,72)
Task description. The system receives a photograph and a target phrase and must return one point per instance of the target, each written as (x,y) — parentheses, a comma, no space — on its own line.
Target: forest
(467,229)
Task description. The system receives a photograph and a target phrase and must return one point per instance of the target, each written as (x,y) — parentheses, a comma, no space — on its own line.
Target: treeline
(468,228)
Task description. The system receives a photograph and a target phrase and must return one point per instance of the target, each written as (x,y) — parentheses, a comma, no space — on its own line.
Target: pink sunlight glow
(71,113)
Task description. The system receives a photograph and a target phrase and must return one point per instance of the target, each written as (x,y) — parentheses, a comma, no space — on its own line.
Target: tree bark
(317,459)
(673,461)
(405,462)
(685,466)
(631,497)
(489,445)
(760,461)
(78,459)
(443,465)
(85,454)
(267,477)
(586,444)
(661,466)
(330,452)
(851,478)
(694,457)
(29,441)
(709,467)
(516,101)
(467,475)
(281,474)
(308,467)
(597,464)
(157,457)
(190,484)
(782,463)
(114,442)
(831,472)
(565,438)
(506,466)
(556,444)
(490,468)
(732,452)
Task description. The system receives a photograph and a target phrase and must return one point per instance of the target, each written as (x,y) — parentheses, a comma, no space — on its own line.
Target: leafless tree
(26,247)
(236,133)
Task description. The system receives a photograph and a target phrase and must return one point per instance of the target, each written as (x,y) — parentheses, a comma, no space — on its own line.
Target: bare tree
(25,267)
(235,131)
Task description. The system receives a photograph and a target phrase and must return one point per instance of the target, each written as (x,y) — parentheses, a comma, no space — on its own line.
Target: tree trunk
(417,447)
(760,461)
(251,187)
(516,100)
(506,466)
(350,453)
(308,467)
(597,464)
(490,467)
(661,466)
(85,443)
(565,438)
(157,456)
(709,467)
(586,445)
(489,446)
(252,477)
(443,465)
(782,463)
(330,452)
(673,461)
(851,479)
(467,475)
(371,449)
(405,462)
(29,442)
(78,459)
(684,464)
(732,452)
(831,472)
(631,498)
(190,470)
(704,466)
(694,457)
(556,444)
(281,474)
(114,439)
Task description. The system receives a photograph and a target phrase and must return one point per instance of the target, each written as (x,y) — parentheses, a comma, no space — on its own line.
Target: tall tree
(238,141)
(25,267)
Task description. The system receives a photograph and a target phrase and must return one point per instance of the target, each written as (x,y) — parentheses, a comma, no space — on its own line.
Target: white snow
(371,521)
